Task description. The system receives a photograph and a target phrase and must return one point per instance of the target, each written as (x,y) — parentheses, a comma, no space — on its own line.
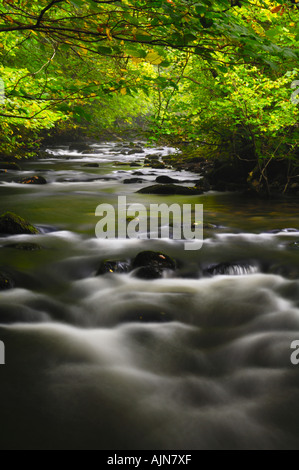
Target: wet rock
(79,147)
(121,164)
(203,185)
(37,180)
(170,189)
(152,265)
(134,164)
(135,151)
(158,165)
(138,173)
(133,181)
(9,166)
(91,165)
(164,179)
(24,246)
(118,267)
(231,269)
(12,224)
(6,281)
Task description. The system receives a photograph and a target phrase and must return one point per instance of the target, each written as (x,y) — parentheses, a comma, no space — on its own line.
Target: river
(189,361)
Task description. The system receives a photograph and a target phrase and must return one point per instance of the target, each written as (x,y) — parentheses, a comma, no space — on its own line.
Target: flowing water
(197,360)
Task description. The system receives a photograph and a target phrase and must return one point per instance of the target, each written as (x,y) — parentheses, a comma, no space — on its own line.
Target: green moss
(12,224)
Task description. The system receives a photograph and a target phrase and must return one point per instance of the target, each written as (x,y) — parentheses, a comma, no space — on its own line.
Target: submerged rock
(118,267)
(9,166)
(6,281)
(39,180)
(24,246)
(12,224)
(91,165)
(170,189)
(152,265)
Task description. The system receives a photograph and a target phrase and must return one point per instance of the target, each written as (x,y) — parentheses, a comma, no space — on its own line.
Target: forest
(212,78)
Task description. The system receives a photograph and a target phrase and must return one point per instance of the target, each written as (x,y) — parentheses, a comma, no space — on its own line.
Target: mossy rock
(12,224)
(9,166)
(164,179)
(170,190)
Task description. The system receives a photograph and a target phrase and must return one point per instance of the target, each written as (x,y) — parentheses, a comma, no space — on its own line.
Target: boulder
(37,180)
(170,189)
(9,166)
(135,164)
(6,281)
(135,151)
(12,224)
(164,179)
(152,265)
(133,181)
(118,267)
(158,165)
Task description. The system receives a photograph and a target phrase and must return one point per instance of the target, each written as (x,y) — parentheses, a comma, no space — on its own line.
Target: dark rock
(135,151)
(166,180)
(203,185)
(133,181)
(134,164)
(9,166)
(148,272)
(37,180)
(121,164)
(158,165)
(79,147)
(6,282)
(12,224)
(170,189)
(138,173)
(91,165)
(152,265)
(24,246)
(231,269)
(119,267)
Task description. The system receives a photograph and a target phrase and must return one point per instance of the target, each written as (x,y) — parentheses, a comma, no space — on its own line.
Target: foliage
(218,73)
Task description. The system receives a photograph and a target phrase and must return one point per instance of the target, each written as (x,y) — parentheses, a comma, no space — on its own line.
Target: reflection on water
(193,361)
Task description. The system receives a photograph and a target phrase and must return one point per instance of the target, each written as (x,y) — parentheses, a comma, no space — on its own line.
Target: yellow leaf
(154,58)
(123,91)
(109,36)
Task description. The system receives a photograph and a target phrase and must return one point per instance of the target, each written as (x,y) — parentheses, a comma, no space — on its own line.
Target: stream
(190,361)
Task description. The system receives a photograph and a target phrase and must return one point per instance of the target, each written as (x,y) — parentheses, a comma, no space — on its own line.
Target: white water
(116,363)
